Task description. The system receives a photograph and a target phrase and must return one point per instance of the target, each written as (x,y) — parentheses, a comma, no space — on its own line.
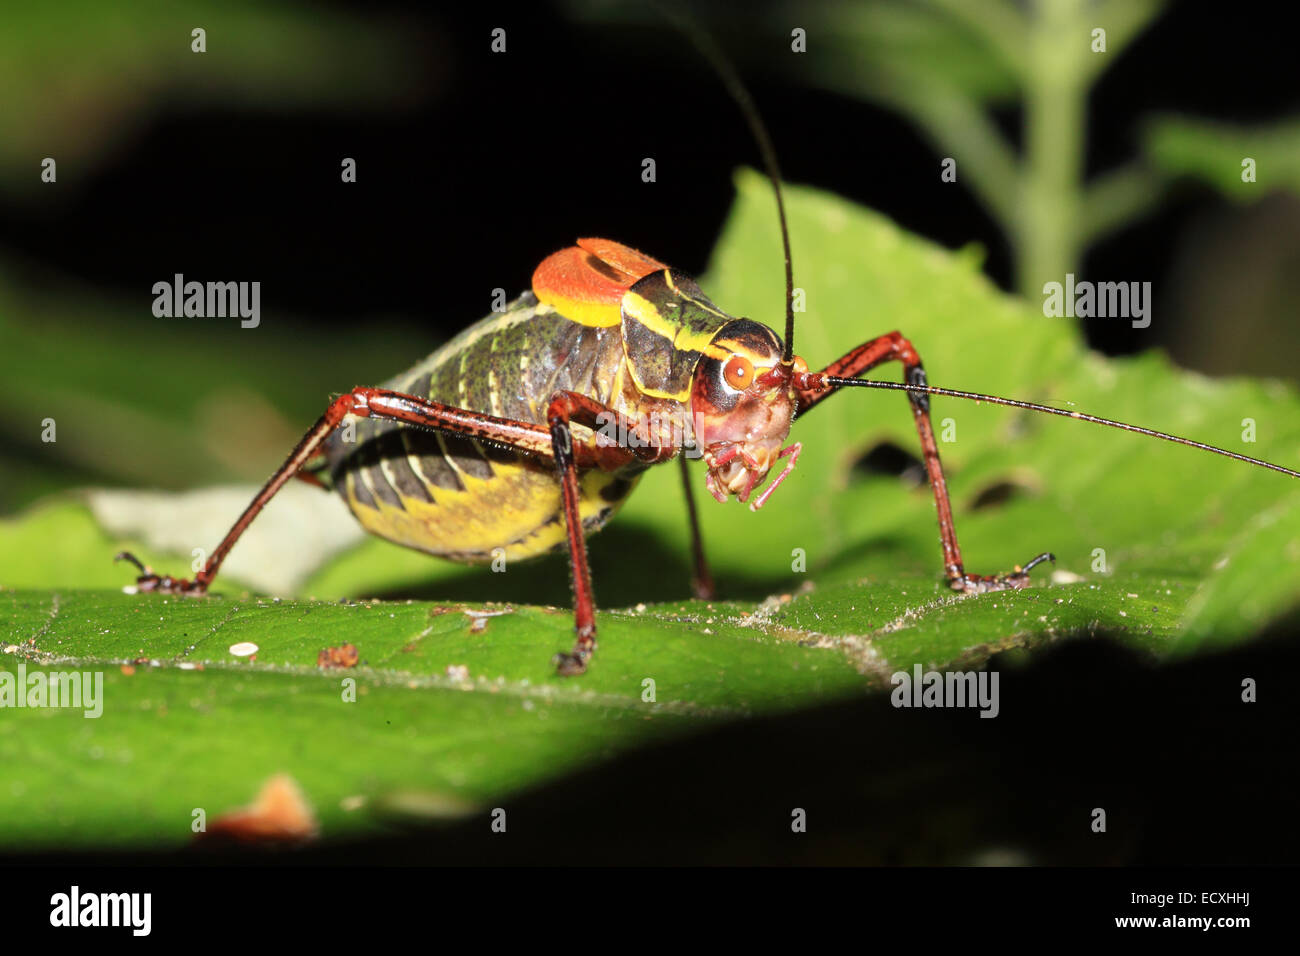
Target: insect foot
(1014,580)
(160,583)
(575,661)
(571,664)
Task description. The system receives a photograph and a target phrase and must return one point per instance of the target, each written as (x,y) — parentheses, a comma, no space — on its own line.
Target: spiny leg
(412,410)
(894,347)
(565,410)
(306,448)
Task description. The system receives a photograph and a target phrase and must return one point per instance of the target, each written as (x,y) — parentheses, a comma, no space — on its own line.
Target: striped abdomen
(460,498)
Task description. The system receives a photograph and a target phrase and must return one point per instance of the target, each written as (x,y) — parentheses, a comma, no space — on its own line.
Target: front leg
(813,388)
(565,409)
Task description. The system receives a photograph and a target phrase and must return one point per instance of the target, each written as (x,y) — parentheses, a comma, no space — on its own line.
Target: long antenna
(1048,409)
(731,80)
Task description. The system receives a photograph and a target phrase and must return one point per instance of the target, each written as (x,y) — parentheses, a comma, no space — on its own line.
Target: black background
(500,160)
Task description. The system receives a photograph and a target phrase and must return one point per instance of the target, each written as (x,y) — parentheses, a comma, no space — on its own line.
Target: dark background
(499,160)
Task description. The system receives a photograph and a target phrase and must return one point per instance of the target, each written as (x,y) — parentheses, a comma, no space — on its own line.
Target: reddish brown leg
(353,403)
(363,402)
(701,580)
(893,347)
(553,441)
(565,409)
(311,475)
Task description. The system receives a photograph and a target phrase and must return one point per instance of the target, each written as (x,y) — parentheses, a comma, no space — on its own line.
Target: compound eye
(739,372)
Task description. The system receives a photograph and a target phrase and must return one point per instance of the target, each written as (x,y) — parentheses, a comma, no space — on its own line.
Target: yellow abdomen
(462,499)
(517,510)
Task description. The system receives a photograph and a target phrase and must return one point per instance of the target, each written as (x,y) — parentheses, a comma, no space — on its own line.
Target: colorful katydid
(498,443)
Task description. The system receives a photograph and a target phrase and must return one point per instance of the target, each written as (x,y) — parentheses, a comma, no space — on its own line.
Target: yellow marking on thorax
(594,314)
(668,278)
(681,335)
(671,396)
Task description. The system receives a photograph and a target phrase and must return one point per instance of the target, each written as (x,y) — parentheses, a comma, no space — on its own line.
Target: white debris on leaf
(479,619)
(243,649)
(1061,576)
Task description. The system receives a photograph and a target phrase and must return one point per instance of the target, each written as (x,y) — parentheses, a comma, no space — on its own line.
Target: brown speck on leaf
(345,656)
(279,816)
(128,670)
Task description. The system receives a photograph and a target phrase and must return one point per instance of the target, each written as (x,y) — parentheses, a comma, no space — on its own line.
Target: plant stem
(1048,233)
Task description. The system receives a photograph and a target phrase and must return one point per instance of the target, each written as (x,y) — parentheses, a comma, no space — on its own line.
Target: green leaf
(172,738)
(1170,549)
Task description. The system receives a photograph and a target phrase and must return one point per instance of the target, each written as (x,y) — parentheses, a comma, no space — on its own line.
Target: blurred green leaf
(80,76)
(872,50)
(1213,152)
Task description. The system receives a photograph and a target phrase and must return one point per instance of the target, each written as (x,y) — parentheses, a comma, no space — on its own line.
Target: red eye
(739,372)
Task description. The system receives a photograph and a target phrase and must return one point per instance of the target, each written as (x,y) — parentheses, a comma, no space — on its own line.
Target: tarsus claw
(163,584)
(570,665)
(1045,556)
(128,556)
(982,583)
